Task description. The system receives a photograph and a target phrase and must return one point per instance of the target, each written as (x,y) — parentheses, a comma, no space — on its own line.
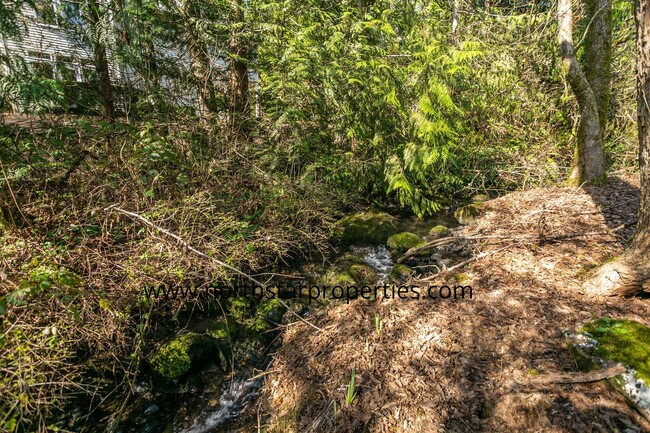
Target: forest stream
(206,403)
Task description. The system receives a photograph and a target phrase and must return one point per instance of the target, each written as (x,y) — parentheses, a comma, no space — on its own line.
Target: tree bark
(454,22)
(239,96)
(598,55)
(100,60)
(641,243)
(590,159)
(200,64)
(631,272)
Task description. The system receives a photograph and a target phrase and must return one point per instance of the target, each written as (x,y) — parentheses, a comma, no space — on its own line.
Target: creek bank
(202,379)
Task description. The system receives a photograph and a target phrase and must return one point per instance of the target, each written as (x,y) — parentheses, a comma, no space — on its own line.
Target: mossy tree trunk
(590,159)
(598,55)
(200,64)
(239,95)
(631,272)
(100,60)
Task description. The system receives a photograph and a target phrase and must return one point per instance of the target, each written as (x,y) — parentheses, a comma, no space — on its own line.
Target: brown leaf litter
(457,366)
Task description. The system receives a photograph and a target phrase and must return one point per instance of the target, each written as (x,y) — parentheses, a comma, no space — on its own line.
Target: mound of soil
(461,365)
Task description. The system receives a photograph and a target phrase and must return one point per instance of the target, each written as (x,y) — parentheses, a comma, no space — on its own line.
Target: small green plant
(351,394)
(378,323)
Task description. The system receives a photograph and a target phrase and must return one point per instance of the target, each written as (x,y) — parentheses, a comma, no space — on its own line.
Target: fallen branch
(467,262)
(426,247)
(451,239)
(565,378)
(205,256)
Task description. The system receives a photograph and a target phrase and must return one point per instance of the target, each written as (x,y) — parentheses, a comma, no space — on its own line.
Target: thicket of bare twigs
(72,268)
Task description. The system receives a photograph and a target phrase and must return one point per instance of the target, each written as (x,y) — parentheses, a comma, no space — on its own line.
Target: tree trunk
(598,55)
(641,243)
(454,22)
(239,96)
(590,159)
(631,272)
(200,65)
(100,60)
(200,68)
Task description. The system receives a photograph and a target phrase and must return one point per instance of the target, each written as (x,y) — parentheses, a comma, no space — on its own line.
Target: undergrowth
(72,269)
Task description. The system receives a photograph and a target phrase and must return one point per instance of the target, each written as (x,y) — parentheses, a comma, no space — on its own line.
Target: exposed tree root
(622,277)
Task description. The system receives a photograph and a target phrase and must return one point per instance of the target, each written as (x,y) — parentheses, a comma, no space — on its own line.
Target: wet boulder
(400,274)
(400,243)
(438,232)
(182,354)
(466,214)
(364,228)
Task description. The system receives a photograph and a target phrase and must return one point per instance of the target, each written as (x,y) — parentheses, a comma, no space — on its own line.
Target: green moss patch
(335,277)
(363,274)
(623,341)
(467,214)
(438,232)
(176,357)
(402,242)
(368,228)
(400,273)
(268,313)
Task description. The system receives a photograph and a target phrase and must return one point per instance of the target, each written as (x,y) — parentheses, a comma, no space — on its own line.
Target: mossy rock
(268,313)
(363,274)
(336,277)
(185,352)
(241,308)
(400,273)
(401,242)
(438,232)
(623,341)
(349,259)
(466,214)
(223,329)
(367,228)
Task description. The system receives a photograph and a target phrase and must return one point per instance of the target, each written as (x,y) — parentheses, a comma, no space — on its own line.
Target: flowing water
(379,258)
(237,397)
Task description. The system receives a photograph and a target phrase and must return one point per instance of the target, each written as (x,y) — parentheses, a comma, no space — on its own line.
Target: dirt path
(455,366)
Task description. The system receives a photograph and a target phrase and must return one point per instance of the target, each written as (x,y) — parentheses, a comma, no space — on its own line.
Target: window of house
(45,12)
(39,55)
(66,72)
(88,74)
(43,70)
(70,12)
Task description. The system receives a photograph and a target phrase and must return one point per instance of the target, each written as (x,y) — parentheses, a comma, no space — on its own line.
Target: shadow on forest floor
(462,365)
(618,201)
